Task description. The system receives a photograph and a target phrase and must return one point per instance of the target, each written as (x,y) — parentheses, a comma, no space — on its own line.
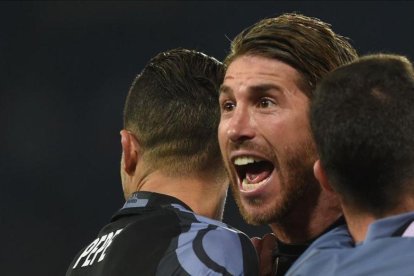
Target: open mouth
(253,172)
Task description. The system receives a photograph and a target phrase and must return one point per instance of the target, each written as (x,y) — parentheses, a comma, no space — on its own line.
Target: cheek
(294,128)
(278,132)
(286,135)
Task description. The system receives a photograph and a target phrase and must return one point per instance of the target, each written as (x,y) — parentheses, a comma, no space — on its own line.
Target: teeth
(246,185)
(245,160)
(249,187)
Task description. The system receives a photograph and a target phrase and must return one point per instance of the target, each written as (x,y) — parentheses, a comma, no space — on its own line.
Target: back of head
(307,44)
(172,109)
(362,118)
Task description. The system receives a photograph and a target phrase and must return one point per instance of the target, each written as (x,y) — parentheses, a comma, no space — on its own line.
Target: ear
(130,151)
(320,174)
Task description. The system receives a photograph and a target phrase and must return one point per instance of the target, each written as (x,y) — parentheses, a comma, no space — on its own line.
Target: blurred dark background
(65,70)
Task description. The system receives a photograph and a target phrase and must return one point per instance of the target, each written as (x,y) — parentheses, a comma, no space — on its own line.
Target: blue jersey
(156,234)
(385,251)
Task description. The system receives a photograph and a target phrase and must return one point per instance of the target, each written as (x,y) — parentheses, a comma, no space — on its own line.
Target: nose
(240,126)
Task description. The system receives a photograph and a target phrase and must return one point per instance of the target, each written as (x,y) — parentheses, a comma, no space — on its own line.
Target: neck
(358,221)
(203,195)
(309,219)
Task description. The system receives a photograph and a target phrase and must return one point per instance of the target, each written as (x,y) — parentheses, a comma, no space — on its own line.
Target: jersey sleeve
(214,250)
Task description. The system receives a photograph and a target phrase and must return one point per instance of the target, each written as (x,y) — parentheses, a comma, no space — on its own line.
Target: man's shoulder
(335,254)
(132,239)
(206,245)
(322,253)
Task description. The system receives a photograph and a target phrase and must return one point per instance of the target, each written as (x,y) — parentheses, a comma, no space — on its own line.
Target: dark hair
(172,108)
(362,118)
(305,43)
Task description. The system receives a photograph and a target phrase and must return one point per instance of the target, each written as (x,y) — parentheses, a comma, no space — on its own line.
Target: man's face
(265,139)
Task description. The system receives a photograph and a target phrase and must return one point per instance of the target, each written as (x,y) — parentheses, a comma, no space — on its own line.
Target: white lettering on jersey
(108,244)
(86,251)
(94,250)
(99,245)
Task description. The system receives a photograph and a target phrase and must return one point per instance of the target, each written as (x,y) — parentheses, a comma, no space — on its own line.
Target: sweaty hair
(305,43)
(362,118)
(172,109)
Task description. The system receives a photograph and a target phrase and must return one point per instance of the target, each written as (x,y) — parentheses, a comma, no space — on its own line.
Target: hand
(264,248)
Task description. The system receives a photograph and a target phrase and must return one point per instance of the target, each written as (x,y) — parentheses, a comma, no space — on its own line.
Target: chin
(253,212)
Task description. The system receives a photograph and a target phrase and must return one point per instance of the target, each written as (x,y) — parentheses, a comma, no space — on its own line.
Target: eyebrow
(261,88)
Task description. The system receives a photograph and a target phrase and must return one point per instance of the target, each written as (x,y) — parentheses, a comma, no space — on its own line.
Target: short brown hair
(362,119)
(172,110)
(305,43)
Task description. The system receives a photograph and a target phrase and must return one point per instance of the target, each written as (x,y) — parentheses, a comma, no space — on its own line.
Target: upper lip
(254,155)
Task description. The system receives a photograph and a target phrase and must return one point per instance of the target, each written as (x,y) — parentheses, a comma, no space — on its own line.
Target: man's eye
(264,103)
(228,106)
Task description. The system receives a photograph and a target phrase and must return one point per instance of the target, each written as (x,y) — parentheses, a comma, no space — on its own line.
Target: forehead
(251,70)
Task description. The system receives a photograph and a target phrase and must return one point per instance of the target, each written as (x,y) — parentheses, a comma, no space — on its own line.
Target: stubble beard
(296,180)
